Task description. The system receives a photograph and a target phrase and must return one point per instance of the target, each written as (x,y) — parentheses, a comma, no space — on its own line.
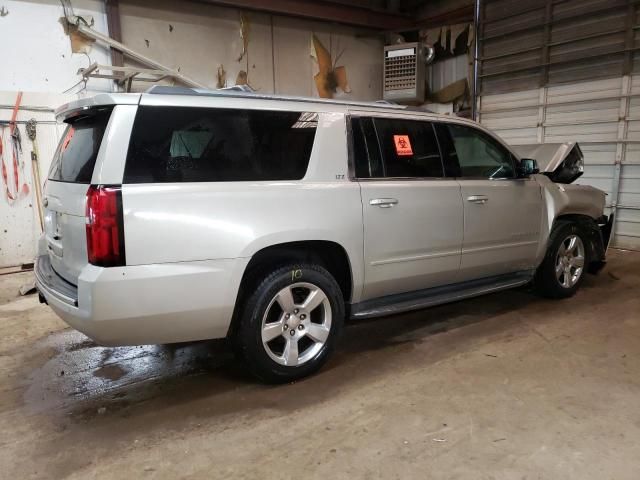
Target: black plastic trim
(404,302)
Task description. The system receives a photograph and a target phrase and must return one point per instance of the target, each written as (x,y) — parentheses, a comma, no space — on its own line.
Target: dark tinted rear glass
(175,144)
(77,151)
(409,148)
(366,152)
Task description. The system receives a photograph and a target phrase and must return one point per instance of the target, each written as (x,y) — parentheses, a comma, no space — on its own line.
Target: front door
(412,214)
(502,213)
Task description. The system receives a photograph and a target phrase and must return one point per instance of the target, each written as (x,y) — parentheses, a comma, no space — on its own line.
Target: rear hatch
(66,189)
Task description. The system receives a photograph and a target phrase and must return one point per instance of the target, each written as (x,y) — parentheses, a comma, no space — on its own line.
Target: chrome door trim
(383,202)
(413,258)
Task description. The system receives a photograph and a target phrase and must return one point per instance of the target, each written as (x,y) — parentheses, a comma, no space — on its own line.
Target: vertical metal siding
(554,71)
(604,116)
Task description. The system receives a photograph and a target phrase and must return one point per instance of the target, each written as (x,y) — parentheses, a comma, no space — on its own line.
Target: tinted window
(170,144)
(409,148)
(448,150)
(77,151)
(368,163)
(479,155)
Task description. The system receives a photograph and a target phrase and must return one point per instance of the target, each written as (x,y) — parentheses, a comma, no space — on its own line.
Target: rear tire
(289,326)
(562,271)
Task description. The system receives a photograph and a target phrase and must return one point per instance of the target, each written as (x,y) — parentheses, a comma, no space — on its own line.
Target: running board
(405,302)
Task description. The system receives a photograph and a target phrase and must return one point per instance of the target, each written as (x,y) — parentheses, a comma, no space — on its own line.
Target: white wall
(41,64)
(278,60)
(37,54)
(19,224)
(38,61)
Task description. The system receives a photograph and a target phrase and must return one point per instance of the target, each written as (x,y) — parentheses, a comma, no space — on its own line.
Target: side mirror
(528,166)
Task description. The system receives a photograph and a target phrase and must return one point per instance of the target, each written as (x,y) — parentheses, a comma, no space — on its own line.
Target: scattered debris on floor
(28,288)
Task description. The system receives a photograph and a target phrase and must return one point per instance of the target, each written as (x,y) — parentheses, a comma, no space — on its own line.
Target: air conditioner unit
(404,73)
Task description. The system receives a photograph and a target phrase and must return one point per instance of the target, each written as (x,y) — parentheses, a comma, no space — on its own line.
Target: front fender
(562,200)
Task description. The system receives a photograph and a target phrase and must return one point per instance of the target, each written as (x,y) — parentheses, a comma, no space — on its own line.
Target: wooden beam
(112,8)
(324,11)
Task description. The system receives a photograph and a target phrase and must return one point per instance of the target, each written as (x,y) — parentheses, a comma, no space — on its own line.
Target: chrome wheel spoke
(290,354)
(318,333)
(577,262)
(559,268)
(285,299)
(568,277)
(313,300)
(271,331)
(572,244)
(562,251)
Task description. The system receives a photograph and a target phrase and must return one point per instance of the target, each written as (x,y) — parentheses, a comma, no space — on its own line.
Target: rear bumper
(50,284)
(146,304)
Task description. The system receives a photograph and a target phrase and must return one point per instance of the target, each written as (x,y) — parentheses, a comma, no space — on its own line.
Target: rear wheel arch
(330,255)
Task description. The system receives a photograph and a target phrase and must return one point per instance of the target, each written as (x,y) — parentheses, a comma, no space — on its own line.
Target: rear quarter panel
(181,222)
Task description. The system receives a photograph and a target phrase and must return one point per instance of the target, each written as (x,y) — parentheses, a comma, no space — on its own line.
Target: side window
(368,163)
(176,144)
(409,148)
(479,155)
(448,150)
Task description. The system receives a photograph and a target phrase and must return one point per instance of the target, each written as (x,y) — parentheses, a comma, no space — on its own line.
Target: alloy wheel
(570,261)
(296,324)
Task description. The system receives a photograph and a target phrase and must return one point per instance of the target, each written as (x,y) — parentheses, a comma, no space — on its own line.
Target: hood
(561,162)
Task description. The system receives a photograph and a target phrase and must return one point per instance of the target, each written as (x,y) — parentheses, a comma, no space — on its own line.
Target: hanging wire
(82,80)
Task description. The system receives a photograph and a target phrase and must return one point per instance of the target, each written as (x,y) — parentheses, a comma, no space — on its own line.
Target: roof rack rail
(239,91)
(238,88)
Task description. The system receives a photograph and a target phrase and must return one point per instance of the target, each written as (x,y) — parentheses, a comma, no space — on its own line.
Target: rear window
(175,144)
(77,151)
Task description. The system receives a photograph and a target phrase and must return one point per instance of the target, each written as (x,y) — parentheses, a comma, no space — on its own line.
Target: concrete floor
(509,386)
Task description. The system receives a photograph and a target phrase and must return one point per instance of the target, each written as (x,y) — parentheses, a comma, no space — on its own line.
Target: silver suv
(179,215)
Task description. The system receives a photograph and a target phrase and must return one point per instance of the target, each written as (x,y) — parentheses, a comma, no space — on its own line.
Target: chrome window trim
(351,152)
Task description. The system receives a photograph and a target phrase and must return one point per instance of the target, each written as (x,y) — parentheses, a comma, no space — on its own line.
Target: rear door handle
(383,202)
(481,199)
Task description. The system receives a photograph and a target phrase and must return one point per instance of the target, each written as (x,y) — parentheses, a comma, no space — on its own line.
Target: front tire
(290,325)
(564,266)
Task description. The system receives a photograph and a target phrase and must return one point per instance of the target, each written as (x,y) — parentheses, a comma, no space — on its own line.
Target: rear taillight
(105,226)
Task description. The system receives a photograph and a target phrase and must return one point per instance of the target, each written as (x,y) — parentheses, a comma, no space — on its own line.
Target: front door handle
(481,199)
(383,202)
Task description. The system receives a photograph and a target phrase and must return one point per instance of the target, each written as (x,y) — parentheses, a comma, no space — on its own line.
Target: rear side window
(368,163)
(76,154)
(176,144)
(409,148)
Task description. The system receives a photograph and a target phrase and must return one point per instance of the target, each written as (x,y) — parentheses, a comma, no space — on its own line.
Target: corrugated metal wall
(555,71)
(444,72)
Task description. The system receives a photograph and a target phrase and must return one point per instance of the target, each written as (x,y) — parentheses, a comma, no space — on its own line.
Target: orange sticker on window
(403,145)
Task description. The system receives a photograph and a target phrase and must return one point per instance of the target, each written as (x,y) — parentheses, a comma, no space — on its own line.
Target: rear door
(412,214)
(502,213)
(66,188)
